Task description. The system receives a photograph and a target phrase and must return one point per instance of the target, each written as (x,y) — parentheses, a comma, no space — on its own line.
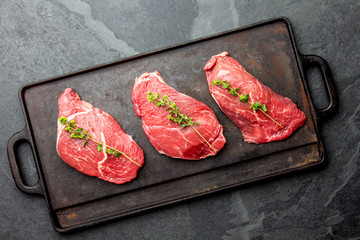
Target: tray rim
(28,126)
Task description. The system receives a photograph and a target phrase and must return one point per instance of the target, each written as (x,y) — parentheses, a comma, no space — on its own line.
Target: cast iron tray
(267,50)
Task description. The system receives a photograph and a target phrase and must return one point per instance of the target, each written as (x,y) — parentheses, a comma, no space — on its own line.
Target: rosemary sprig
(80,133)
(244,98)
(175,115)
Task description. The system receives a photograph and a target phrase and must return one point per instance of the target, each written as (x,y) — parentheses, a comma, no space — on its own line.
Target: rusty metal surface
(266,50)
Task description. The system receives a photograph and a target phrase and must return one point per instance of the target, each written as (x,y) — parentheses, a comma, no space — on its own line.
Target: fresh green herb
(72,123)
(257,106)
(233,91)
(85,142)
(263,107)
(110,151)
(174,113)
(99,147)
(80,133)
(63,120)
(244,98)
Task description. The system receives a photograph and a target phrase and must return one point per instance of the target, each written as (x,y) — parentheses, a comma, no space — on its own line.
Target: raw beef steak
(255,126)
(164,134)
(103,128)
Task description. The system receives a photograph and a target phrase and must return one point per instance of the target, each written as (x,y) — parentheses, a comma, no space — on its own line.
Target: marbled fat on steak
(254,125)
(165,135)
(102,127)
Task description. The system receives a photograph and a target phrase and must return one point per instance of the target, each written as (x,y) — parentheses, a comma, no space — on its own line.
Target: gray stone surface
(41,39)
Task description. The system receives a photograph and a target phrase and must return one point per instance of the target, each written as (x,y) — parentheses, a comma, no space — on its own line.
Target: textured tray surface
(265,51)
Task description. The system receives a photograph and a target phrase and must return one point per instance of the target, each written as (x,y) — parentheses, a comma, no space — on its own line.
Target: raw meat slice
(102,127)
(165,135)
(254,125)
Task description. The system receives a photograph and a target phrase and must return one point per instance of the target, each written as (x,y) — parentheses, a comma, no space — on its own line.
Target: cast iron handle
(313,60)
(18,137)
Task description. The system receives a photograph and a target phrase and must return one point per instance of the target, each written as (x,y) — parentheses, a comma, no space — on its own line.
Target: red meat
(102,127)
(164,134)
(254,125)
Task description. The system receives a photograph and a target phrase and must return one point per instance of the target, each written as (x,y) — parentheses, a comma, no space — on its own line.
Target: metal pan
(267,50)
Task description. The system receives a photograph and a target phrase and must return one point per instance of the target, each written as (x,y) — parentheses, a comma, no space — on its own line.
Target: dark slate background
(40,39)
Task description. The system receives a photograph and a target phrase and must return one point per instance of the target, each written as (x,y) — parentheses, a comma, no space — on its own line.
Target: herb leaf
(99,147)
(78,130)
(85,142)
(255,106)
(63,120)
(110,151)
(72,123)
(263,107)
(244,98)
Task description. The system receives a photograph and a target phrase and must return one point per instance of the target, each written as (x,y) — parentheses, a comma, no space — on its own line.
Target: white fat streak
(142,78)
(60,127)
(215,98)
(222,73)
(146,130)
(156,73)
(87,106)
(223,54)
(187,141)
(145,77)
(103,151)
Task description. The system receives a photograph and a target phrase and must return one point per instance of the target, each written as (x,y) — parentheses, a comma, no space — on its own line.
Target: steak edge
(254,125)
(102,127)
(165,135)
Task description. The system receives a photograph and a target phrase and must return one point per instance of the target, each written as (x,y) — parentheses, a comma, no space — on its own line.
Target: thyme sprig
(80,133)
(174,113)
(244,98)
